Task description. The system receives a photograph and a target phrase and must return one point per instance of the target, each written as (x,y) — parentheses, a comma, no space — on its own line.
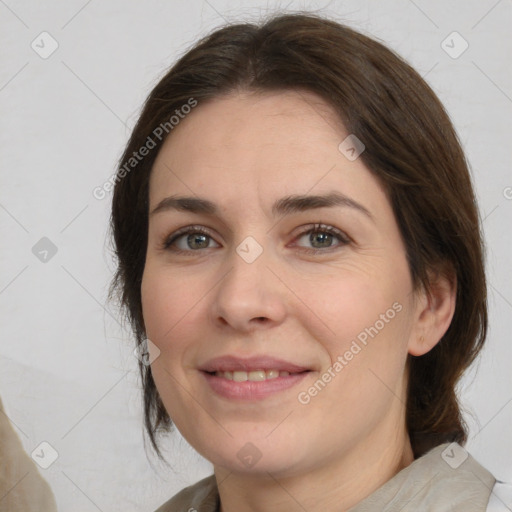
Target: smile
(253,376)
(253,385)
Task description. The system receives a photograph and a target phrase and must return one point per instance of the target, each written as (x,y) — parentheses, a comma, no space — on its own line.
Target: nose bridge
(250,249)
(248,273)
(249,290)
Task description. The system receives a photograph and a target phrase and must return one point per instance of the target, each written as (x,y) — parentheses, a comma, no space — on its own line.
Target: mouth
(254,375)
(256,385)
(230,363)
(252,378)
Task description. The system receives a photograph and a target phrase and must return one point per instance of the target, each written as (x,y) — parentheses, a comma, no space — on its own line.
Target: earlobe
(434,315)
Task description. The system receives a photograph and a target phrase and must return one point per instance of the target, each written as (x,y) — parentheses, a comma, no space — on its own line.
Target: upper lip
(229,363)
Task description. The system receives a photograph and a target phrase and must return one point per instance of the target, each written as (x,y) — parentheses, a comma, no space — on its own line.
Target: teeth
(254,376)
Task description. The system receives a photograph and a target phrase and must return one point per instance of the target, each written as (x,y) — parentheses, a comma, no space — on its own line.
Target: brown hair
(411,147)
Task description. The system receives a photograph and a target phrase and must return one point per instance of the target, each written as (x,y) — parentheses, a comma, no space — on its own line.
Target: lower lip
(252,390)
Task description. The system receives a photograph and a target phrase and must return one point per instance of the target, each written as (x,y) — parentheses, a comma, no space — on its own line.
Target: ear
(434,312)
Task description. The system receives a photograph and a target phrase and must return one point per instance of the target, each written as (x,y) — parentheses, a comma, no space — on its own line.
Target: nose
(249,295)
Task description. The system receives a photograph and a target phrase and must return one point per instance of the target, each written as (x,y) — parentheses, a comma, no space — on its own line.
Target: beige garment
(442,480)
(22,488)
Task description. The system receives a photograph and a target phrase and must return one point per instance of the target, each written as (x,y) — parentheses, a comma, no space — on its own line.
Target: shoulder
(447,474)
(22,487)
(202,496)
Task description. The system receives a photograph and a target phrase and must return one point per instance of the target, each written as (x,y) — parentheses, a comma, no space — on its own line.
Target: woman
(300,253)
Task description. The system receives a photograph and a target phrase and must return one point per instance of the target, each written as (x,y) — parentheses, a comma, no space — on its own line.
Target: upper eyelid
(303,230)
(327,228)
(319,226)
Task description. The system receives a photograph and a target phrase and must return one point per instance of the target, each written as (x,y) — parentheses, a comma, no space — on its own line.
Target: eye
(194,238)
(188,239)
(321,237)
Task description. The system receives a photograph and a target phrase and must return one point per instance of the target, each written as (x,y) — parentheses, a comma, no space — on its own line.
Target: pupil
(192,239)
(323,238)
(319,236)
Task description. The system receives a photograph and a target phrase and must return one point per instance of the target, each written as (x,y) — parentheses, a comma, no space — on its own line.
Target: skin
(244,151)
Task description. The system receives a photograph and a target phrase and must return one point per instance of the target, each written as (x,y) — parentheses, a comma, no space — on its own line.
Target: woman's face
(261,281)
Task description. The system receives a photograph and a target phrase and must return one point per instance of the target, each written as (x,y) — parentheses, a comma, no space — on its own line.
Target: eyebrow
(284,206)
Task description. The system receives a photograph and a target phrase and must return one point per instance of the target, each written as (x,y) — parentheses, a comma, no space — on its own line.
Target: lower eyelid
(170,241)
(342,240)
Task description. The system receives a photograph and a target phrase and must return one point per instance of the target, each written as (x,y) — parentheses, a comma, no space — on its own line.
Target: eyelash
(322,228)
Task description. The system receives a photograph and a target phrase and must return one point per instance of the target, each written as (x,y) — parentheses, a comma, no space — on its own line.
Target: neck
(338,485)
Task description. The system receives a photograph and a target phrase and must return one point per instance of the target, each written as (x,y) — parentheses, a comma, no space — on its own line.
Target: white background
(67,373)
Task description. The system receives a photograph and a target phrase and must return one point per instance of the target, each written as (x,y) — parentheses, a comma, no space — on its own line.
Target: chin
(257,456)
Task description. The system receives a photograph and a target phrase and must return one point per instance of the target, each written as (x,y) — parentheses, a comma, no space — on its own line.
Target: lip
(252,390)
(229,363)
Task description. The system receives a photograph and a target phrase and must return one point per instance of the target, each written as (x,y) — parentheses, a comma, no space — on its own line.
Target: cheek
(344,308)
(362,323)
(362,330)
(168,304)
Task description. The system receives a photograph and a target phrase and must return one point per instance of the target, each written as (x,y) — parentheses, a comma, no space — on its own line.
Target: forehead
(249,121)
(265,144)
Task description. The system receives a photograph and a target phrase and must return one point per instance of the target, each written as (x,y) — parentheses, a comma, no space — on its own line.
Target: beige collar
(446,478)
